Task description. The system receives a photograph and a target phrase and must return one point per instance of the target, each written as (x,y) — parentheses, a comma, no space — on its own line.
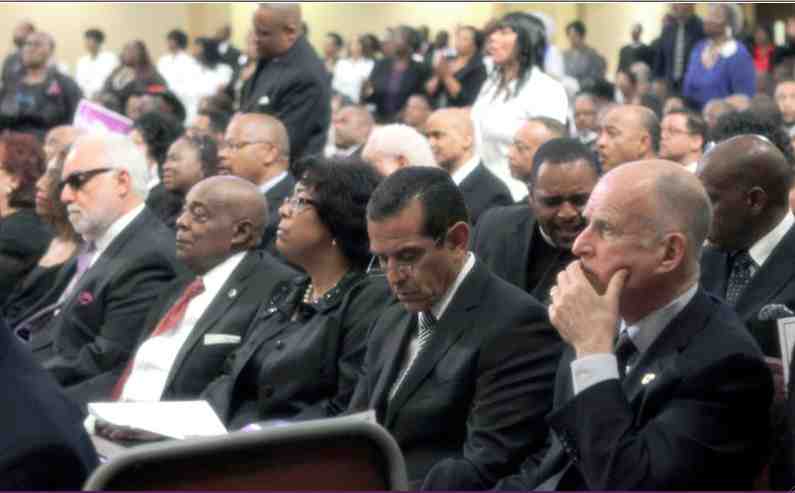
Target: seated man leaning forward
(661,387)
(461,371)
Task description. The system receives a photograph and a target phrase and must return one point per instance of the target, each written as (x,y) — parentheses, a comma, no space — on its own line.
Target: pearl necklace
(310,300)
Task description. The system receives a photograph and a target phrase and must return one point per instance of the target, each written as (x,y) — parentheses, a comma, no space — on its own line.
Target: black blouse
(471,77)
(300,361)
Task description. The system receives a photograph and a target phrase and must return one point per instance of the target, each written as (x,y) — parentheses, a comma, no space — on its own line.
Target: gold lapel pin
(648,378)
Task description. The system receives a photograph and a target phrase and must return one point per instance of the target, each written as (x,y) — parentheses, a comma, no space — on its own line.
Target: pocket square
(213,339)
(264,101)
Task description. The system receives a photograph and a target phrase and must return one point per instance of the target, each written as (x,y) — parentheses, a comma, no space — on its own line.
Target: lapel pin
(264,101)
(232,293)
(648,378)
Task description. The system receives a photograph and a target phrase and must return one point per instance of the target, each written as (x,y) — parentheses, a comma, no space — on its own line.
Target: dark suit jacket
(483,190)
(475,401)
(99,325)
(412,82)
(275,196)
(692,414)
(301,369)
(774,283)
(42,442)
(664,57)
(503,239)
(198,363)
(293,88)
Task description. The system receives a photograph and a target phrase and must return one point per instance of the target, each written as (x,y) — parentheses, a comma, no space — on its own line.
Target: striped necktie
(426,322)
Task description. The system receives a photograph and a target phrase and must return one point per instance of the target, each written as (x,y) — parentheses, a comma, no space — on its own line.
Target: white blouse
(350,75)
(497,120)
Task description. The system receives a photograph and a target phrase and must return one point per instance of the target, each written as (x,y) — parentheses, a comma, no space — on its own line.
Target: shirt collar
(461,173)
(762,249)
(272,182)
(644,332)
(441,306)
(103,241)
(217,276)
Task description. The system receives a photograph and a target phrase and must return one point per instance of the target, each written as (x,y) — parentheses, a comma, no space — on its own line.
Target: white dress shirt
(590,370)
(762,249)
(350,75)
(461,173)
(497,120)
(183,76)
(92,72)
(156,356)
(101,243)
(264,187)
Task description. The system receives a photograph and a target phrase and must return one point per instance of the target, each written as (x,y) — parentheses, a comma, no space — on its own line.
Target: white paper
(786,339)
(175,419)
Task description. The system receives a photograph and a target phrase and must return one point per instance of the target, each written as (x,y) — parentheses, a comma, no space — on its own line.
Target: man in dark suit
(461,371)
(675,45)
(352,127)
(127,259)
(752,243)
(43,444)
(229,54)
(528,244)
(452,137)
(257,148)
(636,51)
(661,387)
(217,234)
(290,81)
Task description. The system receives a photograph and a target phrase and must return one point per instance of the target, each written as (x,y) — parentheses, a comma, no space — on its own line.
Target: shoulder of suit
(505,215)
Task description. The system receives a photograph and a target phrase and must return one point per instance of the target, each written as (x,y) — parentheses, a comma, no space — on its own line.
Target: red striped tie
(169,322)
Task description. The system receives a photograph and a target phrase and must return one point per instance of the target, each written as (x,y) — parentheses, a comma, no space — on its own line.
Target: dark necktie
(740,276)
(625,351)
(168,323)
(426,322)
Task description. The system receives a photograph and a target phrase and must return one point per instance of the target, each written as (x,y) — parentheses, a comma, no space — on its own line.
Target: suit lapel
(395,346)
(217,309)
(778,270)
(715,271)
(454,323)
(519,247)
(658,364)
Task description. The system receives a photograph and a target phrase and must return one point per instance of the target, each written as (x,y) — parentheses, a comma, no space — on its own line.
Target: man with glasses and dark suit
(461,371)
(127,258)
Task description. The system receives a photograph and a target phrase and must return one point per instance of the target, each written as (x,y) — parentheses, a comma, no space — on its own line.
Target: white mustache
(73,209)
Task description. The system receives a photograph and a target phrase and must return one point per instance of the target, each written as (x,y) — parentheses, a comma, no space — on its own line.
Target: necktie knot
(625,349)
(194,289)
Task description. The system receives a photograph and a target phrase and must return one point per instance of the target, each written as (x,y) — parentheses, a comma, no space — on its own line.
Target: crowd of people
(535,278)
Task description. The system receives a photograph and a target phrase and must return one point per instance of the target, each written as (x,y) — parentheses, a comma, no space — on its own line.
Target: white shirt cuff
(593,369)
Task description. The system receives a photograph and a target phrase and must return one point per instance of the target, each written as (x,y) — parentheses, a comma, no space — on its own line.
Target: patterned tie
(625,351)
(83,263)
(743,268)
(426,322)
(168,323)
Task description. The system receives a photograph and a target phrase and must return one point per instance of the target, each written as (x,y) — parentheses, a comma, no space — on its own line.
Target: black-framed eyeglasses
(296,205)
(403,266)
(78,179)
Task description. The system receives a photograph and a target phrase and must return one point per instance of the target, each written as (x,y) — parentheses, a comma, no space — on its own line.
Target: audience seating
(331,454)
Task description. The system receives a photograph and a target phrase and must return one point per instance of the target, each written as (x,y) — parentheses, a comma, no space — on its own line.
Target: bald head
(223,215)
(261,127)
(628,133)
(451,136)
(277,26)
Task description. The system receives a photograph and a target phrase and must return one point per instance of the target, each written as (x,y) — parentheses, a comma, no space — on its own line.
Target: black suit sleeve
(506,420)
(124,315)
(300,105)
(706,422)
(46,468)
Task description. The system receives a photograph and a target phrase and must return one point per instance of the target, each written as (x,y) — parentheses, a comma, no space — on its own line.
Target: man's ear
(125,181)
(243,235)
(458,236)
(402,161)
(757,200)
(674,253)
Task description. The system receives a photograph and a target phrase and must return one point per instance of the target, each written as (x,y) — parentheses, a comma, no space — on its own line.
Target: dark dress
(123,83)
(471,76)
(36,286)
(23,240)
(300,361)
(391,88)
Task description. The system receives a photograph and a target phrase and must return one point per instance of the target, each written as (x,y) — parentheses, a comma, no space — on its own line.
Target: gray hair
(401,140)
(122,153)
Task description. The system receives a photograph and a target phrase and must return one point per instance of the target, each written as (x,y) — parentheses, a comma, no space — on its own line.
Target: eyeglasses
(296,205)
(237,146)
(78,179)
